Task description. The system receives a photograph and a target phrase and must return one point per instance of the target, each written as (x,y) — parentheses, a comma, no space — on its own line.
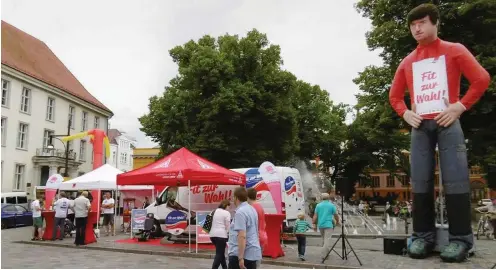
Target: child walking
(301,226)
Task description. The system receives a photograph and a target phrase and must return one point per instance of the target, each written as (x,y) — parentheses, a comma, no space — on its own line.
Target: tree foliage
(472,23)
(232,103)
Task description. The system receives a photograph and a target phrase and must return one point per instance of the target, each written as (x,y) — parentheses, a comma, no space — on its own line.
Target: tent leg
(114,195)
(98,210)
(189,212)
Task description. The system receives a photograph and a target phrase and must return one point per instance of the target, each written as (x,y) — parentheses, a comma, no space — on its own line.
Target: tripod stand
(344,241)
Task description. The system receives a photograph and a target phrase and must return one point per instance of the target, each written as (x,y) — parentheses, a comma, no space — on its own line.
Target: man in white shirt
(37,219)
(81,208)
(61,206)
(108,213)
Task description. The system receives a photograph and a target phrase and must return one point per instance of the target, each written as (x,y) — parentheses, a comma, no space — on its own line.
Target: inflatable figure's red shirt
(458,61)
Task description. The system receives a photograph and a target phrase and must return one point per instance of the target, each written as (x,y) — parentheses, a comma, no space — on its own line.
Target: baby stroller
(68,228)
(145,233)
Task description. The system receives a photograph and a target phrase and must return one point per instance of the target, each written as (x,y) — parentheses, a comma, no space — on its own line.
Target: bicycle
(483,226)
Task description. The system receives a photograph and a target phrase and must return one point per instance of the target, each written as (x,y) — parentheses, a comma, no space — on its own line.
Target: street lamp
(66,147)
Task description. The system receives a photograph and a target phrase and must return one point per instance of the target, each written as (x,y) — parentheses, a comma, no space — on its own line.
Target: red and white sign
(430,85)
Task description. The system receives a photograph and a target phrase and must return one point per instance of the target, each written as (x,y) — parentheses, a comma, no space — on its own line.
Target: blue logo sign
(289,185)
(176,222)
(253,177)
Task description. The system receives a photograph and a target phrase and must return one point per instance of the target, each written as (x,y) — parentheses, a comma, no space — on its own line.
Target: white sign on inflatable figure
(430,85)
(273,180)
(268,172)
(54,181)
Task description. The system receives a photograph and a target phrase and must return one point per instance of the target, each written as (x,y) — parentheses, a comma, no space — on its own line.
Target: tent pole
(114,196)
(153,194)
(189,216)
(98,208)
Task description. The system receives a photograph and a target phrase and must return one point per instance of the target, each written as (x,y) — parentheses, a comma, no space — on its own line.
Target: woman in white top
(218,233)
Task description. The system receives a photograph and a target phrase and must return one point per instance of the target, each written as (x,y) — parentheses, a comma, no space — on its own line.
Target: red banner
(96,199)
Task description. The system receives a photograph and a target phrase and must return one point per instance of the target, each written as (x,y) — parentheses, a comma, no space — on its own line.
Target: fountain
(308,181)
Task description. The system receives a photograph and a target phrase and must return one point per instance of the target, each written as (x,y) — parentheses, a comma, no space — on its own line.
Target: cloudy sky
(119,49)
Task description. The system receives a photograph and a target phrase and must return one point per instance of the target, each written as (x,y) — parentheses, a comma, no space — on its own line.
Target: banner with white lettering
(430,85)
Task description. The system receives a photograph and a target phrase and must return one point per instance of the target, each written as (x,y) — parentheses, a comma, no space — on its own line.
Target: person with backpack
(221,218)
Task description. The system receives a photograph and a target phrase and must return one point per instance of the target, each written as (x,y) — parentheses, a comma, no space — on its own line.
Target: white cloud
(119,49)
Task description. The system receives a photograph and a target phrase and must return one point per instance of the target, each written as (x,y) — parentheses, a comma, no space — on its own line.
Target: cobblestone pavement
(32,256)
(369,251)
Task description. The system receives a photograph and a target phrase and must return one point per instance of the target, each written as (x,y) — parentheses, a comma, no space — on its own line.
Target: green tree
(471,23)
(232,103)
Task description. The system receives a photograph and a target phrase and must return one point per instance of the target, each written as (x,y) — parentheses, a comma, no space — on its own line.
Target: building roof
(34,58)
(112,134)
(146,152)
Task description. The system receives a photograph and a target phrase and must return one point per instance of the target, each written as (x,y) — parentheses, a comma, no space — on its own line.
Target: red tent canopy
(179,167)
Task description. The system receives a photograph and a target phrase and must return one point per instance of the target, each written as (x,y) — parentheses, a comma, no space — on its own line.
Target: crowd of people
(73,211)
(244,233)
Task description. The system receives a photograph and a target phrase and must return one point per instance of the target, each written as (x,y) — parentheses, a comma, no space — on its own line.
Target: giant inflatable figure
(432,75)
(98,139)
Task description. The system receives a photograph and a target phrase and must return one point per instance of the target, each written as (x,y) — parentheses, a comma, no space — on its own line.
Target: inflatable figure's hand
(412,118)
(450,114)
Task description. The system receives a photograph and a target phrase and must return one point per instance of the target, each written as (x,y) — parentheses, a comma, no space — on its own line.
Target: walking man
(432,75)
(81,208)
(325,213)
(62,205)
(244,247)
(108,213)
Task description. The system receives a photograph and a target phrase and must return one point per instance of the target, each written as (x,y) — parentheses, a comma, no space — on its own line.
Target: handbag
(207,225)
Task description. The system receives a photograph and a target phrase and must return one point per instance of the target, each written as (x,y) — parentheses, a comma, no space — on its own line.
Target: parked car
(18,197)
(485,202)
(14,215)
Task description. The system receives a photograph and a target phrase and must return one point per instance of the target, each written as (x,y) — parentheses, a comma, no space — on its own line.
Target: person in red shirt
(431,73)
(262,234)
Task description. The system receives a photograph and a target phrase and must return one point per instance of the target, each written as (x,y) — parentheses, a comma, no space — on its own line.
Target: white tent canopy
(104,177)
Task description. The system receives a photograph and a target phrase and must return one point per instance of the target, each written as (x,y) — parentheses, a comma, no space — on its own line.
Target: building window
(4,131)
(18,176)
(403,180)
(114,158)
(22,136)
(46,137)
(97,122)
(25,100)
(72,116)
(376,181)
(390,181)
(84,121)
(82,150)
(50,113)
(5,93)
